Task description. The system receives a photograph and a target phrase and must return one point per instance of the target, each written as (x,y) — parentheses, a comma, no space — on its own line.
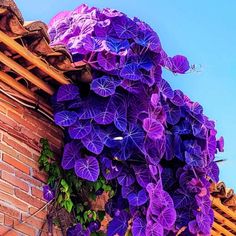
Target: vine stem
(35,213)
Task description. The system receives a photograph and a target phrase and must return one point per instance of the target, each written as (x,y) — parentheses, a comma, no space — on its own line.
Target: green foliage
(72,193)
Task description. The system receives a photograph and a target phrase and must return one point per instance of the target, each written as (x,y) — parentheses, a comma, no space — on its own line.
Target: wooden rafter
(16,85)
(214,233)
(224,221)
(52,72)
(222,229)
(216,202)
(25,73)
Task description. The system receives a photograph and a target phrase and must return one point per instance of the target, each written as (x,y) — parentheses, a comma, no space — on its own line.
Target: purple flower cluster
(132,128)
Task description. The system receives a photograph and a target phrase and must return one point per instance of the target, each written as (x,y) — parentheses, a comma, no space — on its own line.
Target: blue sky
(204,31)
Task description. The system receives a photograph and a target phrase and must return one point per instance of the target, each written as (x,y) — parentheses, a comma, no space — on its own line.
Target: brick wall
(20,179)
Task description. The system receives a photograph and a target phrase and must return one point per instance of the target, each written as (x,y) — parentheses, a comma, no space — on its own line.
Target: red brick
(7,231)
(8,221)
(9,211)
(36,222)
(10,178)
(8,150)
(28,161)
(40,175)
(18,165)
(6,167)
(1,218)
(29,199)
(41,214)
(14,201)
(33,138)
(21,121)
(28,178)
(37,193)
(24,228)
(19,147)
(5,187)
(8,121)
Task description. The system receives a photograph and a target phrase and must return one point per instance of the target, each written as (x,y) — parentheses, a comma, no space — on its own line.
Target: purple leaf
(155,229)
(213,172)
(111,12)
(110,169)
(131,72)
(180,64)
(149,40)
(48,193)
(134,87)
(195,160)
(211,145)
(165,89)
(155,149)
(93,142)
(126,190)
(93,44)
(119,224)
(220,144)
(181,199)
(153,128)
(183,128)
(168,178)
(155,99)
(124,28)
(67,92)
(196,108)
(70,155)
(204,203)
(87,168)
(204,223)
(126,178)
(144,62)
(117,46)
(173,114)
(178,98)
(143,176)
(65,118)
(103,86)
(138,199)
(107,61)
(139,226)
(134,137)
(167,217)
(120,119)
(80,129)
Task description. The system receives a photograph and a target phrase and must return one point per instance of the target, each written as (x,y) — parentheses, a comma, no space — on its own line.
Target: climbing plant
(129,133)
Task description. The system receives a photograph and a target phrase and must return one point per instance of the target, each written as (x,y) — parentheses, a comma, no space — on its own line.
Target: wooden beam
(224,221)
(221,229)
(25,73)
(16,85)
(216,202)
(214,233)
(33,58)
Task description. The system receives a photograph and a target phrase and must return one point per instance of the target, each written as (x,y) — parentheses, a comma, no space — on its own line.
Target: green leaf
(98,185)
(101,215)
(68,204)
(92,196)
(64,185)
(106,188)
(79,208)
(60,198)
